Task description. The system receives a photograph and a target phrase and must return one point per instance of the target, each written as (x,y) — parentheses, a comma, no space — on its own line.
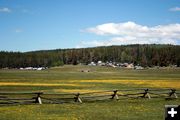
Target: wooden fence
(57,98)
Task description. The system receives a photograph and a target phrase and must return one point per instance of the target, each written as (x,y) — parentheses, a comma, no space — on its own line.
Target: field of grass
(70,79)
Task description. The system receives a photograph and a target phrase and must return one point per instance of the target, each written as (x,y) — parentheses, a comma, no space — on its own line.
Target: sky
(29,25)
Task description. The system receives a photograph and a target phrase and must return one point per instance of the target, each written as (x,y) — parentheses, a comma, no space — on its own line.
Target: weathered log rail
(58,98)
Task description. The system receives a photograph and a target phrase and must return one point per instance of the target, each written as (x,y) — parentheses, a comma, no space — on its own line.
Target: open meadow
(71,79)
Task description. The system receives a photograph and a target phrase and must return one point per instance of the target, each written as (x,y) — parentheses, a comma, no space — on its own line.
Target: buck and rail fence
(58,98)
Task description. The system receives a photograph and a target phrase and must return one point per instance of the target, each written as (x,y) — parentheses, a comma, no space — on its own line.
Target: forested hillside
(145,55)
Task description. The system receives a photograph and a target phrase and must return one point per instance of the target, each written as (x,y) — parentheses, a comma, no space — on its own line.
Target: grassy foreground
(70,79)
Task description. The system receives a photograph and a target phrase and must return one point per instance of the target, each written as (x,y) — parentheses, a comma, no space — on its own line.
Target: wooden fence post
(173,93)
(115,95)
(146,94)
(38,98)
(77,98)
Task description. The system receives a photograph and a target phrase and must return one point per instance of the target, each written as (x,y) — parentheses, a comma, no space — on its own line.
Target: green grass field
(70,79)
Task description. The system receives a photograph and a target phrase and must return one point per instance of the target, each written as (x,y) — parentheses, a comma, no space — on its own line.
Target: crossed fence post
(146,94)
(173,93)
(115,95)
(77,98)
(38,98)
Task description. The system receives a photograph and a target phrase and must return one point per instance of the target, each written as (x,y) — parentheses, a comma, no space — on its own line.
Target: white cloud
(132,33)
(93,43)
(175,9)
(117,28)
(5,9)
(18,30)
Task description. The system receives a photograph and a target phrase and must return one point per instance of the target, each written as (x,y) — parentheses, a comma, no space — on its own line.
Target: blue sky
(27,25)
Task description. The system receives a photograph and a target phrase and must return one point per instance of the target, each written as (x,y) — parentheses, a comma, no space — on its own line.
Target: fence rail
(58,98)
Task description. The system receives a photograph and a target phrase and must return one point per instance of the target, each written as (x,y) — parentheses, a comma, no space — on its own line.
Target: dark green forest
(144,55)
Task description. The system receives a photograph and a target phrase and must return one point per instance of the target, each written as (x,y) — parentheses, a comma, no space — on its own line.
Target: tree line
(144,55)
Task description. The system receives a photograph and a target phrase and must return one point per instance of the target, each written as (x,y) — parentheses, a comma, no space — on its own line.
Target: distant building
(130,66)
(99,62)
(138,67)
(33,68)
(92,64)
